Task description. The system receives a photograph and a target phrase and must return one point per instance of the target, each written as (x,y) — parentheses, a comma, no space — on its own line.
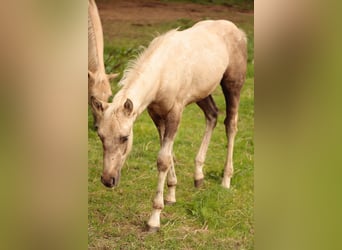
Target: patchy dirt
(153,11)
(129,23)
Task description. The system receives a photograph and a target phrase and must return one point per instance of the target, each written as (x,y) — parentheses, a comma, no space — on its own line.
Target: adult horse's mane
(92,37)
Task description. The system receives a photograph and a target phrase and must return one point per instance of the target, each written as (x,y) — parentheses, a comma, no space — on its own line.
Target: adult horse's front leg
(164,164)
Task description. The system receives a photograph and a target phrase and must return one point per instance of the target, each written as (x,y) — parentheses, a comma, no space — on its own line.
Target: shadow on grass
(214,175)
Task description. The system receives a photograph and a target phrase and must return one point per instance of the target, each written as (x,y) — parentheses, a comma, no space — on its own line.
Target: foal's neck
(140,92)
(141,84)
(141,96)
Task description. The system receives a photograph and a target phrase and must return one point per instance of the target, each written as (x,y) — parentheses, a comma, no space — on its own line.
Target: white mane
(134,65)
(92,38)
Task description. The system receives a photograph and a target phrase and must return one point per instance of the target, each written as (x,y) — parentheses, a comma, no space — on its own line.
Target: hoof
(198,183)
(152,229)
(169,203)
(226,183)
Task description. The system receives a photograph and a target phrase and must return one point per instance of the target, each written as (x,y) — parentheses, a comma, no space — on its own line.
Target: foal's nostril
(108,182)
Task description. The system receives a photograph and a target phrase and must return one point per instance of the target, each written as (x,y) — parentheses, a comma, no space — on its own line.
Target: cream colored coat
(178,68)
(98,80)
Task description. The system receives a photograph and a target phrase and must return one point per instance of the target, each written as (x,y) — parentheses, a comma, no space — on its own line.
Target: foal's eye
(123,139)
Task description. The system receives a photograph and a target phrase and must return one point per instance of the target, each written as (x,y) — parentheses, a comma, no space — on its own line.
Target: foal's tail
(244,41)
(243,35)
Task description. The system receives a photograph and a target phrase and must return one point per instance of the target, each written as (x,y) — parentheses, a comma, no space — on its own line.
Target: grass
(238,4)
(206,218)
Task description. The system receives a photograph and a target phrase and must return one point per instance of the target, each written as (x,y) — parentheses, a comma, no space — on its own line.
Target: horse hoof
(169,203)
(198,183)
(152,229)
(226,183)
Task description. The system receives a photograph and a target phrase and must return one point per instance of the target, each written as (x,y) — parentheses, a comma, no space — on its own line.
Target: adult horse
(98,80)
(178,68)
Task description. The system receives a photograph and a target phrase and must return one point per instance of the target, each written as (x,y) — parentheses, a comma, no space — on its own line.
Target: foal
(178,68)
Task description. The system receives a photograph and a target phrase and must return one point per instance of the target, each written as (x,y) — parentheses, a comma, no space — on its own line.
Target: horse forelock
(117,102)
(100,77)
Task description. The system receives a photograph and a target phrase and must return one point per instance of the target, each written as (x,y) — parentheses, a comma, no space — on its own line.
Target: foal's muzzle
(111,180)
(108,181)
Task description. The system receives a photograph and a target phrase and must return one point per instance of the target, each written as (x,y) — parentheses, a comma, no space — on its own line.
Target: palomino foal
(98,80)
(178,68)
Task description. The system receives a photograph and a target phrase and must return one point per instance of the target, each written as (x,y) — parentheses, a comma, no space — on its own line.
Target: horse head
(115,129)
(99,86)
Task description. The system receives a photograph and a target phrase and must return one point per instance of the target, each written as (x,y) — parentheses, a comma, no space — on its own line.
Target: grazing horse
(98,80)
(178,68)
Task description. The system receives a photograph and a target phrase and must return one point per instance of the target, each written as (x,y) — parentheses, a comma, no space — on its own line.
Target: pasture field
(206,218)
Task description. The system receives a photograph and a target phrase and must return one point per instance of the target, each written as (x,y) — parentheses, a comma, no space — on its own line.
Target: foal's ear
(128,107)
(97,105)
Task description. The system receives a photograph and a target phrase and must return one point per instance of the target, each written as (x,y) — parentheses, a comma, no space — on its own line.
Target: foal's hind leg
(231,90)
(171,175)
(210,111)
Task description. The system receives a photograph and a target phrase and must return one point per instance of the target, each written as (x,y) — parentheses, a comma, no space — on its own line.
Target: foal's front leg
(164,164)
(171,176)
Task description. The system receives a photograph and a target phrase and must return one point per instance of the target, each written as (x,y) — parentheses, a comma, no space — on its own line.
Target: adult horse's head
(115,129)
(99,86)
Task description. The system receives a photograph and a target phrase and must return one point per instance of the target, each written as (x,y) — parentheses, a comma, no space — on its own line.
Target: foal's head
(115,129)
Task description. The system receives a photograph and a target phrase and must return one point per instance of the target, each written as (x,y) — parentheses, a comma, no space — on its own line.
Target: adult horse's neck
(95,39)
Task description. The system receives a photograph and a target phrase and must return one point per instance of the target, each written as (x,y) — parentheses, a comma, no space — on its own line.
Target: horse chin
(118,178)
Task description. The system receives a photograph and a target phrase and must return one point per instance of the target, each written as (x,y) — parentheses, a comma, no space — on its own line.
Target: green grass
(206,218)
(239,4)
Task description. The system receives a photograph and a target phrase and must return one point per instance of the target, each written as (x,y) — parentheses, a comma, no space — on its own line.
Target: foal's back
(193,61)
